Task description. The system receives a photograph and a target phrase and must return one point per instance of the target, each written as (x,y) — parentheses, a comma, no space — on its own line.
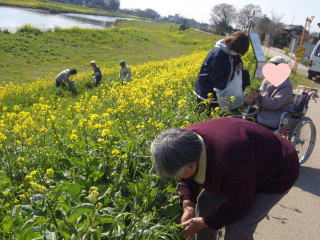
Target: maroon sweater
(243,159)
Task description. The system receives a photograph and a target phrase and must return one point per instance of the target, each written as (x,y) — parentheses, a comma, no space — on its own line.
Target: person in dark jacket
(220,65)
(234,170)
(97,75)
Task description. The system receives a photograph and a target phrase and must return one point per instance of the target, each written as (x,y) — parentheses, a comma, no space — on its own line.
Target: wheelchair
(294,126)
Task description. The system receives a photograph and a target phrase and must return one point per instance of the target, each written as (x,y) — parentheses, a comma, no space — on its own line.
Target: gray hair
(174,149)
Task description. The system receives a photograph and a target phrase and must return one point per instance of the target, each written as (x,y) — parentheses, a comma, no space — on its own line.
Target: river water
(12,18)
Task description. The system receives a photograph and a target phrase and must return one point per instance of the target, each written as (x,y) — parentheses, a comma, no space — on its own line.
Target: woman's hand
(251,97)
(188,211)
(192,226)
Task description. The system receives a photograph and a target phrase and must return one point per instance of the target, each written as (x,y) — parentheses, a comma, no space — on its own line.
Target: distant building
(295,31)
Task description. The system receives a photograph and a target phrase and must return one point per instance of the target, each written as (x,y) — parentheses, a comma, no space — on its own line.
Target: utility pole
(251,20)
(307,24)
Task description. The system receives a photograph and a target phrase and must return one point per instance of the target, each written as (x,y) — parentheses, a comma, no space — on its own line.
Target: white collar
(200,175)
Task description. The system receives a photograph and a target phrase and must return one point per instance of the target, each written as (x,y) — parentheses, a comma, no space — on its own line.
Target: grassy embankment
(55,7)
(30,53)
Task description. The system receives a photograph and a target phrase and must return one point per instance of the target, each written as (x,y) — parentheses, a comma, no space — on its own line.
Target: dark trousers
(242,229)
(58,83)
(96,81)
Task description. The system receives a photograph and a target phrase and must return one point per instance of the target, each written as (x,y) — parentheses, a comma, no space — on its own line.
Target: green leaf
(64,234)
(28,231)
(75,190)
(35,220)
(27,208)
(106,219)
(31,235)
(5,182)
(50,235)
(80,210)
(37,197)
(7,224)
(77,161)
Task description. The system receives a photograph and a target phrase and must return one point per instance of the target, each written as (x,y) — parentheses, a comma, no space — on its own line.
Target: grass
(31,53)
(301,79)
(54,7)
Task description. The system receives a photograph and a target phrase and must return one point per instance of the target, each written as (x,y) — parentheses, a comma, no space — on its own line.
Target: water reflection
(13,18)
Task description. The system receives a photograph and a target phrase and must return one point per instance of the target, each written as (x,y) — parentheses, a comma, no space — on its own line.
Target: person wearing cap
(64,76)
(125,72)
(272,101)
(231,171)
(97,75)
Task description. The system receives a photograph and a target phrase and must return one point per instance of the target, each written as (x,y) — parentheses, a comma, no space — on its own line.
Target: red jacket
(243,158)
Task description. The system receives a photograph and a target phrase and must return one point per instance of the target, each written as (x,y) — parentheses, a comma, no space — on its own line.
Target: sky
(293,11)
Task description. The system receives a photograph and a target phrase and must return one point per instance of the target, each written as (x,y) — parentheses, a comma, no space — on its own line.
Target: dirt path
(297,215)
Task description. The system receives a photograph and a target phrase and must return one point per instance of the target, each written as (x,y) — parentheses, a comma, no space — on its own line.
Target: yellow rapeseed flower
(5,193)
(115,152)
(73,137)
(49,171)
(93,188)
(99,204)
(105,133)
(182,103)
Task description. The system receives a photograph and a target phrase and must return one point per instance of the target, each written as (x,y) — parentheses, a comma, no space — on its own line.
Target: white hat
(278,60)
(92,63)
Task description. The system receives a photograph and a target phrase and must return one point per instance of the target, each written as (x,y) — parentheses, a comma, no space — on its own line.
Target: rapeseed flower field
(78,166)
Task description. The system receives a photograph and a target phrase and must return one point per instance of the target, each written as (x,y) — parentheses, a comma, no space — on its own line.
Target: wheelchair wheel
(303,138)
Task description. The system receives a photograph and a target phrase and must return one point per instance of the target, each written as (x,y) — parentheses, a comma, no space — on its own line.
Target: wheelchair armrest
(253,113)
(296,114)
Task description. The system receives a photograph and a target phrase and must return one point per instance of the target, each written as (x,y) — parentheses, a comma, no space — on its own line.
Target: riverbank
(54,7)
(30,53)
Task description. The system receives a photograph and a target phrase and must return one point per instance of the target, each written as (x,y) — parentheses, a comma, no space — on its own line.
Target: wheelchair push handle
(313,95)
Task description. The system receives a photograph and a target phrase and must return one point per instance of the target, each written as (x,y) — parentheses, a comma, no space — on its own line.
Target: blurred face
(233,53)
(188,171)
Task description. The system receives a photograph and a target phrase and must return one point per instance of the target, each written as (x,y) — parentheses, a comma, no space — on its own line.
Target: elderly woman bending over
(232,173)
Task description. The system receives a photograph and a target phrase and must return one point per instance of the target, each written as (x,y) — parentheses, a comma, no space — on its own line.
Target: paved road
(297,215)
(271,52)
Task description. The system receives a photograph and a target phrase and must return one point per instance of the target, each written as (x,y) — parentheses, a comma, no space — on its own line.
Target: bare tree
(113,5)
(245,14)
(264,26)
(222,16)
(276,26)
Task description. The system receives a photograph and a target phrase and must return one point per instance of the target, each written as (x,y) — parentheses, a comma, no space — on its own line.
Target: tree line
(111,5)
(225,18)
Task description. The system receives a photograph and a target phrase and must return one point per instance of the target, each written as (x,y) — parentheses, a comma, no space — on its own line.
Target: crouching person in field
(64,77)
(125,72)
(232,173)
